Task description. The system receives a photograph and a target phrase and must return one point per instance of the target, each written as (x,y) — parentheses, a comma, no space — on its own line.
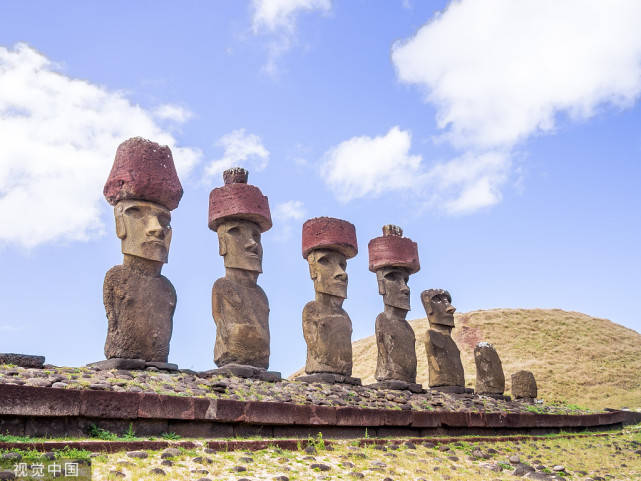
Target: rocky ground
(189,383)
(616,456)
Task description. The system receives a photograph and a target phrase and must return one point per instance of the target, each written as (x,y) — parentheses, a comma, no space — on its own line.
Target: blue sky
(503,137)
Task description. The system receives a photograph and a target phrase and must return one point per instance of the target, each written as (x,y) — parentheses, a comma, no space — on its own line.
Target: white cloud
(500,71)
(290,210)
(272,15)
(284,215)
(364,165)
(241,150)
(175,113)
(59,137)
(278,18)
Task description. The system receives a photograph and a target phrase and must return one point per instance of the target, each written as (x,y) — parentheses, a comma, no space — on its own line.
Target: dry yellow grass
(575,358)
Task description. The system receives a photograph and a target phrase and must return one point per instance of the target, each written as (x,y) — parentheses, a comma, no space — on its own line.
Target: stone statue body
(239,305)
(490,378)
(326,326)
(139,301)
(443,355)
(395,337)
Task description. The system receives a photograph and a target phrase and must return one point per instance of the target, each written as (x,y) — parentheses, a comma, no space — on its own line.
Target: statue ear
(222,245)
(312,266)
(381,285)
(121,230)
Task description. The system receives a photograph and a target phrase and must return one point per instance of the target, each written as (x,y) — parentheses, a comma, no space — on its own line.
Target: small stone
(245,460)
(12,456)
(239,469)
(410,445)
(137,454)
(310,449)
(281,478)
(59,385)
(170,453)
(355,474)
(515,459)
(321,467)
(558,468)
(117,474)
(158,471)
(167,462)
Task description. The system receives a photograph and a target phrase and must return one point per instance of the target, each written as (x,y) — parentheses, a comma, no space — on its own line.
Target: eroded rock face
(524,385)
(240,214)
(395,340)
(139,302)
(444,360)
(489,370)
(443,355)
(140,305)
(393,258)
(327,244)
(328,333)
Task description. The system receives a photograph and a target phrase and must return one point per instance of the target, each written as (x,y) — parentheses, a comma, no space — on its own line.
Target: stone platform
(329,378)
(131,364)
(41,412)
(398,386)
(244,371)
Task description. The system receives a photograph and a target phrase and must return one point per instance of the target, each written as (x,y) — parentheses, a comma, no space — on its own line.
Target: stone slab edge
(254,445)
(38,401)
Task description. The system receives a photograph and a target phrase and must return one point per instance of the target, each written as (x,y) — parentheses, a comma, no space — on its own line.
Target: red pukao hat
(143,170)
(329,233)
(393,250)
(238,200)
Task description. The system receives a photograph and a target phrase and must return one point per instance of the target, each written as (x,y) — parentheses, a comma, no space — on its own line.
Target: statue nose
(154,228)
(341,274)
(450,309)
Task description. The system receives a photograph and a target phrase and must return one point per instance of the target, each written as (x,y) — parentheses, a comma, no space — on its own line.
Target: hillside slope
(575,358)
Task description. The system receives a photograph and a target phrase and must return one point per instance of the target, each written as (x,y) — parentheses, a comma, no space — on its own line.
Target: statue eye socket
(164,221)
(323,260)
(233,231)
(134,212)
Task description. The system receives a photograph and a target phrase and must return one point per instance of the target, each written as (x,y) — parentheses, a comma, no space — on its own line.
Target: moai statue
(524,386)
(327,244)
(443,356)
(239,213)
(144,188)
(394,258)
(490,380)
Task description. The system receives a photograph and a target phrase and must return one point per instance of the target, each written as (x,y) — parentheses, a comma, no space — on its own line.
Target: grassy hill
(576,358)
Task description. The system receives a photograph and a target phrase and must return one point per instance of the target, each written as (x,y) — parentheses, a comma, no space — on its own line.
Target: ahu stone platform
(47,412)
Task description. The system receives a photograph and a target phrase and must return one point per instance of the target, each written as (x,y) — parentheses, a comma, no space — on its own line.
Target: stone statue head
(438,307)
(327,270)
(239,244)
(392,285)
(144,229)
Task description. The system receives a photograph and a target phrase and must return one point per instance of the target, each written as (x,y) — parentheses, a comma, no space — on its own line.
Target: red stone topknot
(393,250)
(329,233)
(238,200)
(143,170)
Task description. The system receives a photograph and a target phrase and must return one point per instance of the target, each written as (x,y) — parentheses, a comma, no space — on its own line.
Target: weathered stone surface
(443,355)
(329,233)
(328,333)
(396,342)
(238,200)
(140,305)
(489,370)
(398,386)
(139,302)
(119,363)
(240,213)
(523,385)
(444,359)
(329,378)
(143,170)
(393,258)
(244,371)
(22,360)
(392,249)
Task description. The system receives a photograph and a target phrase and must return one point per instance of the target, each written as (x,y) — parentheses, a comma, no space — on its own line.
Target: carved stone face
(392,285)
(144,228)
(439,309)
(239,244)
(327,269)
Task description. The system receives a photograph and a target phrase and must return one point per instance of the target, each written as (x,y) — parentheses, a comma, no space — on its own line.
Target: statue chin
(244,263)
(337,291)
(149,251)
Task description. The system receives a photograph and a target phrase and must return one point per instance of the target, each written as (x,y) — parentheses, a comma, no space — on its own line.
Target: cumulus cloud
(59,136)
(290,210)
(364,165)
(501,71)
(278,19)
(284,215)
(174,113)
(241,149)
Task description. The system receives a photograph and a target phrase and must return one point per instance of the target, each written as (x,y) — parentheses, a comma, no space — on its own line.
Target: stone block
(38,401)
(155,406)
(119,363)
(109,404)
